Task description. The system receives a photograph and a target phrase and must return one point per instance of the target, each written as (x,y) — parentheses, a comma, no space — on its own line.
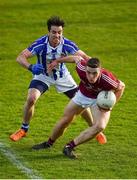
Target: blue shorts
(41,86)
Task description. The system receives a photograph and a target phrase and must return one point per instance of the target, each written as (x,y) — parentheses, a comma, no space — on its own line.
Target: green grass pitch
(103,28)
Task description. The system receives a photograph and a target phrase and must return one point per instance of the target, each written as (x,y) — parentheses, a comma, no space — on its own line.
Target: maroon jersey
(106,81)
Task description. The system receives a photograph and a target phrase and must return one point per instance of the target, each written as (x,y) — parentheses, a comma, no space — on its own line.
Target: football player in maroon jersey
(94,79)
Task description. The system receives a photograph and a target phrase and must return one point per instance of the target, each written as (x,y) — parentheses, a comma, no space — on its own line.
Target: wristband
(30,67)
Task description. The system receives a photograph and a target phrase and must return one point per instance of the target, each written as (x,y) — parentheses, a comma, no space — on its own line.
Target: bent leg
(36,88)
(71,110)
(86,114)
(33,95)
(101,119)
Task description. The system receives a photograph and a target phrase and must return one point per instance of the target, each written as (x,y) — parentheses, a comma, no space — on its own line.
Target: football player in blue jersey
(48,48)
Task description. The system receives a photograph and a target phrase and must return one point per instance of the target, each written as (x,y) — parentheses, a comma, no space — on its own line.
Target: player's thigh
(100,118)
(36,88)
(72,109)
(39,85)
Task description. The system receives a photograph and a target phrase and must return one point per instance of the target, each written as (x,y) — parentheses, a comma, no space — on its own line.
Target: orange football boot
(101,138)
(18,135)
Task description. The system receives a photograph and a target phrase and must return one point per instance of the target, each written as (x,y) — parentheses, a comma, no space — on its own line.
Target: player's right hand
(36,69)
(51,66)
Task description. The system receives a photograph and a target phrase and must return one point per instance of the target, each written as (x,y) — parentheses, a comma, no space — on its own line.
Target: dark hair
(55,21)
(94,62)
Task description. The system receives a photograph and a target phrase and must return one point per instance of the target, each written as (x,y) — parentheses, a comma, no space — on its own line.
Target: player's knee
(31,100)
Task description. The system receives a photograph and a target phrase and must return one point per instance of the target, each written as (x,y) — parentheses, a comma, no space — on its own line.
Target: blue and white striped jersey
(46,54)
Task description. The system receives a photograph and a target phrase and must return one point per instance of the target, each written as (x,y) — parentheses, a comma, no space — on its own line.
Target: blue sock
(25,127)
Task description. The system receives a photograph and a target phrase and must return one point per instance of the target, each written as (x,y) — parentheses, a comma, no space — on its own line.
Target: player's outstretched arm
(82,54)
(67,59)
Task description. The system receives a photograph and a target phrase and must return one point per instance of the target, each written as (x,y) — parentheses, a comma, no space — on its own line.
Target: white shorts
(83,101)
(62,84)
(101,117)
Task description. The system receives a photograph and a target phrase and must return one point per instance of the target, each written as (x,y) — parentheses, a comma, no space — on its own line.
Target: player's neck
(54,45)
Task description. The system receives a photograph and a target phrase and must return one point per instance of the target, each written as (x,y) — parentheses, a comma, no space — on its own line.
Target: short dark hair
(55,21)
(94,62)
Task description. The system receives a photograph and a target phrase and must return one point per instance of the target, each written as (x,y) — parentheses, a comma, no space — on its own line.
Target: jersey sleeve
(80,66)
(37,46)
(70,47)
(110,80)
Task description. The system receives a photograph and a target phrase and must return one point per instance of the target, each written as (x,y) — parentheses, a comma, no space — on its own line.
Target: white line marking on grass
(11,156)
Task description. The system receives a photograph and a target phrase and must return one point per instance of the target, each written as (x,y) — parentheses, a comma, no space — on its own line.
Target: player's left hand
(36,69)
(104,110)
